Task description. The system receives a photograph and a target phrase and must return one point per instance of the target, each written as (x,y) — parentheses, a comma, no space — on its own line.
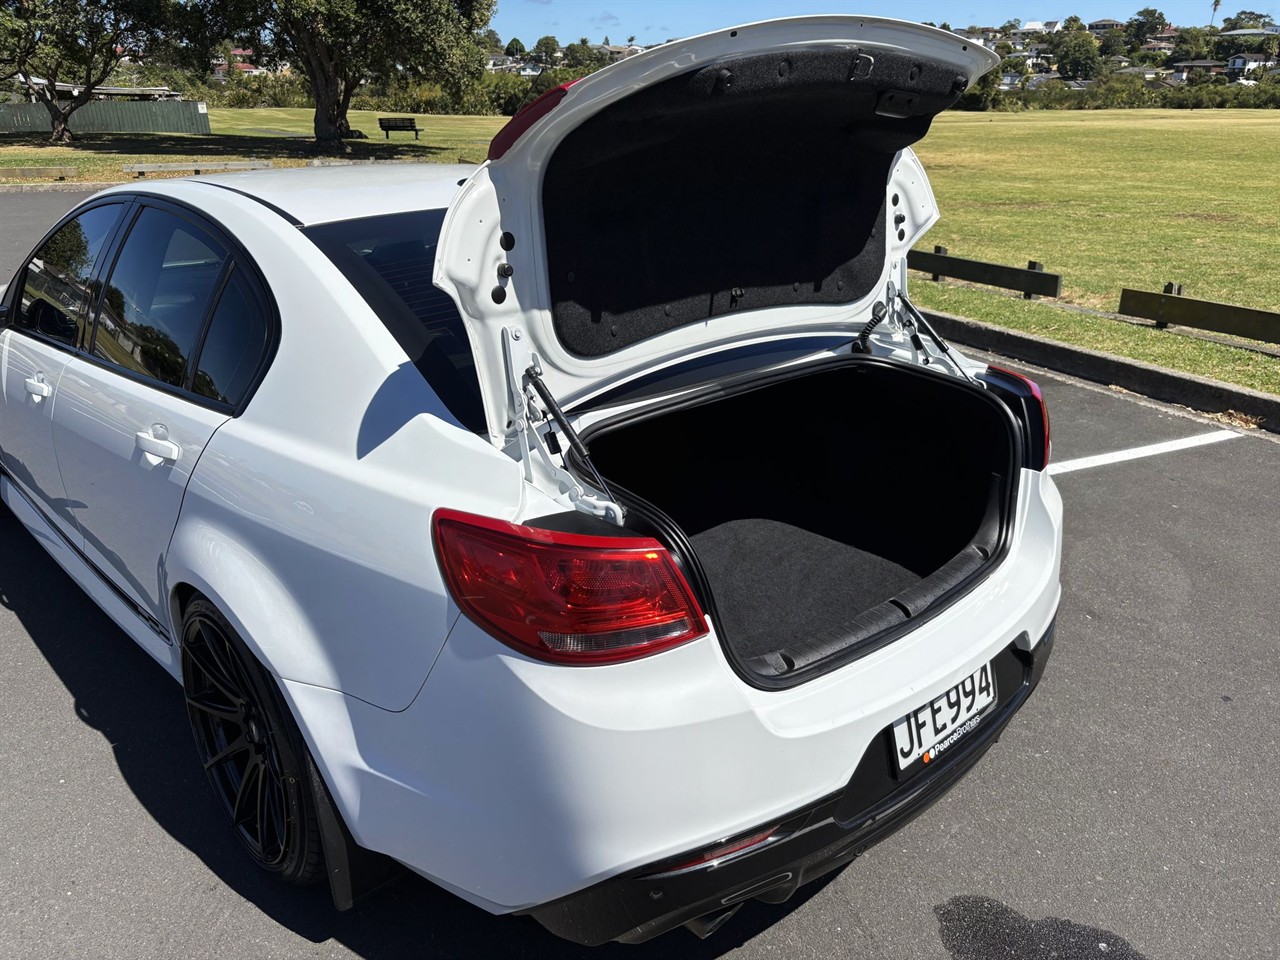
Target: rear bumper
(814,840)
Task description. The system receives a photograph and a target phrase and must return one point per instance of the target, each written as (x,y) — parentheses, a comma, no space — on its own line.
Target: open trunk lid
(746,185)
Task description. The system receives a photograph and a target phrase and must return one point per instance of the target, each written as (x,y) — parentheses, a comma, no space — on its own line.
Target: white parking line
(1137,453)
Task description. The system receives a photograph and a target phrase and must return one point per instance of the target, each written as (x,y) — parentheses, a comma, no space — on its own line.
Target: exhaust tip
(704,926)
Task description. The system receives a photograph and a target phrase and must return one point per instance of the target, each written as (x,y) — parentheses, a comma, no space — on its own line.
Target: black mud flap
(354,872)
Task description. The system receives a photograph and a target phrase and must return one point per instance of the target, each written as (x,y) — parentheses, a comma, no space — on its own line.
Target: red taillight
(526,118)
(1044,409)
(566,597)
(712,854)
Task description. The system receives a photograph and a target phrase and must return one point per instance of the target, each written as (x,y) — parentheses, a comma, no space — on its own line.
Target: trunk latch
(533,406)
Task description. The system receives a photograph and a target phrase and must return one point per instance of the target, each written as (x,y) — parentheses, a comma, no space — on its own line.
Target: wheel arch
(209,561)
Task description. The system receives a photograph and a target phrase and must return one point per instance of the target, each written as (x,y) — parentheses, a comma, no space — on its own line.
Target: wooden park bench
(142,169)
(40,173)
(387,124)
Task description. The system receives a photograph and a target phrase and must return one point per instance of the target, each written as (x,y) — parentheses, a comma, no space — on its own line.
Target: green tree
(1247,20)
(631,40)
(1113,44)
(1009,26)
(491,42)
(583,57)
(77,42)
(1193,43)
(544,51)
(10,32)
(340,44)
(606,40)
(515,48)
(1216,5)
(1073,23)
(1144,25)
(1077,55)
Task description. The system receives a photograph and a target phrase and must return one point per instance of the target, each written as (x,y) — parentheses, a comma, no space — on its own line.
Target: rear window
(389,260)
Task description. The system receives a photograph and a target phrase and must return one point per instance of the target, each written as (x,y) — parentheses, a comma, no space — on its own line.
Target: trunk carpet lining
(779,587)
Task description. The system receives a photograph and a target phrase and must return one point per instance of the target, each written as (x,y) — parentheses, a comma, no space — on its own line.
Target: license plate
(929,730)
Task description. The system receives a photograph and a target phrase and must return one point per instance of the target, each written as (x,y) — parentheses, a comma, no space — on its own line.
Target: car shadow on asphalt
(978,928)
(124,695)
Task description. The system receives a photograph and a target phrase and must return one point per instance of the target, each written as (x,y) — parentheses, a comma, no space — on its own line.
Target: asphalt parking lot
(1128,811)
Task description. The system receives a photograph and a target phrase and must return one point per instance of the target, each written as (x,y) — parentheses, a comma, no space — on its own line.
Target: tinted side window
(55,288)
(389,261)
(234,344)
(157,296)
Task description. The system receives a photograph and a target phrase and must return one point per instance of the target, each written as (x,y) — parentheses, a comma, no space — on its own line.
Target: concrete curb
(1169,386)
(69,187)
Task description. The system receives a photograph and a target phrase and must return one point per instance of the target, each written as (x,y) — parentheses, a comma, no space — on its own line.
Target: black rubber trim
(284,214)
(815,839)
(678,542)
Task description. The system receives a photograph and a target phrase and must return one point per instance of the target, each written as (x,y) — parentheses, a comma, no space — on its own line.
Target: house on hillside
(1185,68)
(1020,37)
(529,70)
(1245,63)
(1147,72)
(1099,27)
(616,53)
(987,36)
(240,61)
(1156,46)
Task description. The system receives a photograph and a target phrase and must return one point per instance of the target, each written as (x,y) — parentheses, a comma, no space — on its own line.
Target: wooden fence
(1171,307)
(1031,282)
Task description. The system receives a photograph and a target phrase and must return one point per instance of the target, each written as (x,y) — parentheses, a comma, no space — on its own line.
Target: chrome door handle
(37,386)
(164,449)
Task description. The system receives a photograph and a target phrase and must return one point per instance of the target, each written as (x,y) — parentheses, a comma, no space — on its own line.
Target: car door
(49,310)
(133,415)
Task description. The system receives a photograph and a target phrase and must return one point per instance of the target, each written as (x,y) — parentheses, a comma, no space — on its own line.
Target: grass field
(1111,199)
(282,136)
(1106,198)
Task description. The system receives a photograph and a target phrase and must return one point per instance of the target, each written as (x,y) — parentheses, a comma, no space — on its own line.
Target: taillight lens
(566,597)
(1030,407)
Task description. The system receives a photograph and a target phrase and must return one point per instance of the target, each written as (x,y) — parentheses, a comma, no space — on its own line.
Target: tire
(250,747)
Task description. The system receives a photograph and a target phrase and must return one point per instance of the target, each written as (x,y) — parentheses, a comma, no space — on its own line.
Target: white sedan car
(600,532)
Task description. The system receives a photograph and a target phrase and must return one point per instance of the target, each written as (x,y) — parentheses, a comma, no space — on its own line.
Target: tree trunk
(61,127)
(59,112)
(329,84)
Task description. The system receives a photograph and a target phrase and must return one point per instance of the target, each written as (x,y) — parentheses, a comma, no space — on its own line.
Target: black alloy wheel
(250,747)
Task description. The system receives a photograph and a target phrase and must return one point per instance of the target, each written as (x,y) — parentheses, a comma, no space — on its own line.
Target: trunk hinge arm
(913,322)
(532,405)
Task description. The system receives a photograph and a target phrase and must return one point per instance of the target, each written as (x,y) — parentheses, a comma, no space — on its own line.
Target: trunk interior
(819,513)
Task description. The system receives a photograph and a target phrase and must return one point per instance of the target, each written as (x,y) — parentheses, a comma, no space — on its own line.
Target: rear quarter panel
(307,519)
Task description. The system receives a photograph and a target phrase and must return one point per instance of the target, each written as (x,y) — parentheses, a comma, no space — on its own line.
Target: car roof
(309,195)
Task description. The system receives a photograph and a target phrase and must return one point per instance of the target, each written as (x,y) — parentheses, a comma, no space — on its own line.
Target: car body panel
(505,197)
(126,500)
(621,766)
(27,450)
(307,519)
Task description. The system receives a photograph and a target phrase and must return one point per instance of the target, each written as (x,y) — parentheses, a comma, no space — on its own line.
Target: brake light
(566,597)
(1034,413)
(525,118)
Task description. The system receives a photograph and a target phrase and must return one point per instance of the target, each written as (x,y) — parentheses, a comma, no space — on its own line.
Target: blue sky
(653,21)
